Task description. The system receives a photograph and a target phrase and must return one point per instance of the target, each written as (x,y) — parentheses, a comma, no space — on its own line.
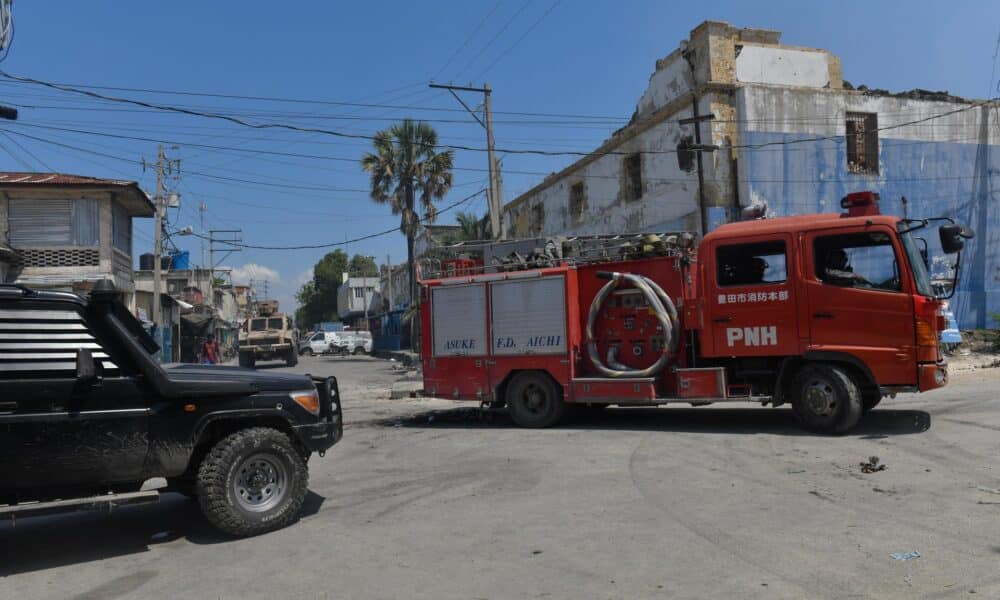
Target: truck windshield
(274,324)
(258,325)
(920,275)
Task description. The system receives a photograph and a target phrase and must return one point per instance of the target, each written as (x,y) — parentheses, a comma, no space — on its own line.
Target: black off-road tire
(825,398)
(222,467)
(534,400)
(247,360)
(291,358)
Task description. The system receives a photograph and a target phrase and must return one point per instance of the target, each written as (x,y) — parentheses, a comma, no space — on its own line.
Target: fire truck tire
(534,400)
(870,401)
(825,398)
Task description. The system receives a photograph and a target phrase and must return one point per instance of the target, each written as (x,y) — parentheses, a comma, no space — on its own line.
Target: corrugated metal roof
(137,201)
(59,179)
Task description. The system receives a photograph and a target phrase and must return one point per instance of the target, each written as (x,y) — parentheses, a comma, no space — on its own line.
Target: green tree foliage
(363,266)
(405,167)
(318,298)
(473,227)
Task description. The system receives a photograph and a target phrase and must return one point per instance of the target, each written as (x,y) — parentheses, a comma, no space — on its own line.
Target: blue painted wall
(958,180)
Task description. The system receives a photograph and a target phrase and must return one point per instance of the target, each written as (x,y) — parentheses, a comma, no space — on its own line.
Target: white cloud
(303,278)
(258,273)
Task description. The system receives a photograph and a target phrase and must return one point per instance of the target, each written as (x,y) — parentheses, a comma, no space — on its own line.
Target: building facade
(733,119)
(356,296)
(71,231)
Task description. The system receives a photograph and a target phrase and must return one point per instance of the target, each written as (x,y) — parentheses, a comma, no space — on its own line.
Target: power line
(322,157)
(28,152)
(526,151)
(494,38)
(58,86)
(472,34)
(345,242)
(519,40)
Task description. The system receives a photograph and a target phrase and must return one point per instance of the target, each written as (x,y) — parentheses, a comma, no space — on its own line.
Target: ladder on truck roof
(477,257)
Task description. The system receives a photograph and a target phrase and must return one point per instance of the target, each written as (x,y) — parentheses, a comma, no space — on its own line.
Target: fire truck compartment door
(529,316)
(459,318)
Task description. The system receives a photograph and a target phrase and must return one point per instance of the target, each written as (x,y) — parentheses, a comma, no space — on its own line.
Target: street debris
(872,466)
(795,471)
(988,490)
(905,555)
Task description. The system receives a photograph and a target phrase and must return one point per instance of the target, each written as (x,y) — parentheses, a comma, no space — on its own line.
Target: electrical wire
(468,39)
(519,40)
(26,151)
(493,39)
(345,242)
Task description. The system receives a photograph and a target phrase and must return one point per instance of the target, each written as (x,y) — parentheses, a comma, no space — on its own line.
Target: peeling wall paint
(787,104)
(782,66)
(947,166)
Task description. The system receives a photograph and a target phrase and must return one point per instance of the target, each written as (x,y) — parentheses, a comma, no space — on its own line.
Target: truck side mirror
(953,237)
(86,368)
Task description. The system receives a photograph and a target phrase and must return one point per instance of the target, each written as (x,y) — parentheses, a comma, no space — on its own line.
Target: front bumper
(931,376)
(322,435)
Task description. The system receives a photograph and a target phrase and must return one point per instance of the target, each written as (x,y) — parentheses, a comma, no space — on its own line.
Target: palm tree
(472,227)
(406,165)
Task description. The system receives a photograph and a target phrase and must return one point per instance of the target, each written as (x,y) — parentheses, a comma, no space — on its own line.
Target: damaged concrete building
(734,119)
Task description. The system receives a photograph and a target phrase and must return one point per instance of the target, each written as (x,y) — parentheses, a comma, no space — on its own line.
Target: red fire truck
(829,313)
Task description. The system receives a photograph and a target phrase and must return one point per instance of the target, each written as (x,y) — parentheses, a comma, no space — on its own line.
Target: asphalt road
(425,499)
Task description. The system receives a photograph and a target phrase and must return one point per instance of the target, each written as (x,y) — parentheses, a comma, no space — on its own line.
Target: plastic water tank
(146,262)
(180,261)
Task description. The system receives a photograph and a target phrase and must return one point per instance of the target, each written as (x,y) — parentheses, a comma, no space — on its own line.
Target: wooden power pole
(493,191)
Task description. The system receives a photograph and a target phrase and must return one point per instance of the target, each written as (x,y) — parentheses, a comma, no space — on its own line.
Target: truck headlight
(307,399)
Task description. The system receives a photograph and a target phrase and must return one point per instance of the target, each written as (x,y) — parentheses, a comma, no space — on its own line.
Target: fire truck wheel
(826,399)
(534,400)
(870,400)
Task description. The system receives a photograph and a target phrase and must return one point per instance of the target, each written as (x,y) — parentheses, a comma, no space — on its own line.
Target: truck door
(55,430)
(858,303)
(750,308)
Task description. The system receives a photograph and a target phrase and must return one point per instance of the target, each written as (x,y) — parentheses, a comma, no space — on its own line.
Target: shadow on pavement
(875,424)
(38,543)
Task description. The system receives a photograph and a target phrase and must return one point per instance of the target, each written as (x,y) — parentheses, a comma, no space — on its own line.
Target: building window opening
(537,218)
(633,176)
(577,202)
(862,143)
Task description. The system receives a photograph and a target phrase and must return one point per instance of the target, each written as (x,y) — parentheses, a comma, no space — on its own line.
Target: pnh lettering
(460,345)
(752,336)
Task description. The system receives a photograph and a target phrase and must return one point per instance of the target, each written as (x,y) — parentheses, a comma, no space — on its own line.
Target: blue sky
(572,57)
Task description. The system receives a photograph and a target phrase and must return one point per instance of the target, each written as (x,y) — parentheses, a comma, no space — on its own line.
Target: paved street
(423,499)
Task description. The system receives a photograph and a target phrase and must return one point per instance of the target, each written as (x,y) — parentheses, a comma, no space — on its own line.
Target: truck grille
(268,341)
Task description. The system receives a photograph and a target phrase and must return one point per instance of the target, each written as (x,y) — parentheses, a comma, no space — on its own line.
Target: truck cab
(851,288)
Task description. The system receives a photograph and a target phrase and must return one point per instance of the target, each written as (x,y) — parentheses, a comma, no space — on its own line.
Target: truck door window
(859,260)
(751,264)
(317,338)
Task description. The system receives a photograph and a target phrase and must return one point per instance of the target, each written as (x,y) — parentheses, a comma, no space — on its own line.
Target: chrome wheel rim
(260,483)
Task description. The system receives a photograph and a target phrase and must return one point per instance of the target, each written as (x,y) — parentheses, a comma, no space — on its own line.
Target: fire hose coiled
(664,310)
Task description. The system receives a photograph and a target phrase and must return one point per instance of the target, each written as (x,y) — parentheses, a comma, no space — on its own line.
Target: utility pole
(388,270)
(164,167)
(493,191)
(202,207)
(229,243)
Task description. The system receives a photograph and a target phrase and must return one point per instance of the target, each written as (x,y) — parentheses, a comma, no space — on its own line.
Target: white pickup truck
(339,342)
